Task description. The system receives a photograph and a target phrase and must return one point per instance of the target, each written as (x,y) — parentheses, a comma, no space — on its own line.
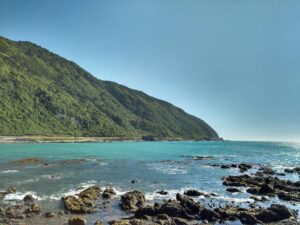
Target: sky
(233,63)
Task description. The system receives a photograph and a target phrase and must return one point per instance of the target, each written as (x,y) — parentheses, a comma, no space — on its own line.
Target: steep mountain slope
(42,93)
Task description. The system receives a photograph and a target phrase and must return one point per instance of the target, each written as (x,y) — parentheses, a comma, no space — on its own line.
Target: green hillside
(42,93)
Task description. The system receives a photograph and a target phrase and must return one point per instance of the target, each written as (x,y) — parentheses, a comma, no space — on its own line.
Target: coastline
(70,139)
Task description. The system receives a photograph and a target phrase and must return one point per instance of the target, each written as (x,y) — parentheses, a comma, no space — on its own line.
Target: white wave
(171,194)
(236,200)
(9,171)
(50,177)
(73,191)
(19,196)
(168,168)
(27,181)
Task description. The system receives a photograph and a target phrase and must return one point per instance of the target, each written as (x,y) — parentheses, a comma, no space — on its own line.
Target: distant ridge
(42,93)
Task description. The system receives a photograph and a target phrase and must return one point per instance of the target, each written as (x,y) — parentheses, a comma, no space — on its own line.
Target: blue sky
(233,63)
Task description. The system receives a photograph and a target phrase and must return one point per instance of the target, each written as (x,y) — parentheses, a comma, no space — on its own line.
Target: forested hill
(42,93)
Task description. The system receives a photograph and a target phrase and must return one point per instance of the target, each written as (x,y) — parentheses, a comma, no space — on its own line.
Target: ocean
(145,166)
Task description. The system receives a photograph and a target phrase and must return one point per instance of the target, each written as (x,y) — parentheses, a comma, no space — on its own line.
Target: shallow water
(154,165)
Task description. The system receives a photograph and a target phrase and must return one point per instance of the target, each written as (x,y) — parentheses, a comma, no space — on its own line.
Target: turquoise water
(154,165)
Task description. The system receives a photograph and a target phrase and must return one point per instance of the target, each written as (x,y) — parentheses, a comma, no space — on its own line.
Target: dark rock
(108,193)
(232,190)
(288,196)
(172,209)
(77,221)
(244,167)
(253,191)
(193,193)
(210,215)
(266,189)
(162,192)
(49,214)
(247,218)
(145,211)
(28,198)
(275,213)
(225,166)
(132,200)
(179,221)
(134,181)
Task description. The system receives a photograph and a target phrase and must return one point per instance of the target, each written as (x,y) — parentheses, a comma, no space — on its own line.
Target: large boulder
(276,213)
(132,200)
(84,202)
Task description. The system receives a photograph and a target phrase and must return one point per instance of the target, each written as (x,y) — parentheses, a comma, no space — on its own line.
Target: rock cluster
(260,184)
(27,208)
(184,209)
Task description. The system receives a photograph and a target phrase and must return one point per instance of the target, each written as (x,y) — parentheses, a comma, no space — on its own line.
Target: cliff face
(42,93)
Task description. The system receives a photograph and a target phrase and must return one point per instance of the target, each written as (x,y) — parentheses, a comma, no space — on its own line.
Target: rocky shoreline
(62,139)
(263,185)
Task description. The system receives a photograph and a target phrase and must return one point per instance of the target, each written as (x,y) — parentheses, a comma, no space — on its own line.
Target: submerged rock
(132,200)
(30,161)
(162,192)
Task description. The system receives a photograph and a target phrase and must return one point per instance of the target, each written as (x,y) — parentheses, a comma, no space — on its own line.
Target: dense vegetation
(42,93)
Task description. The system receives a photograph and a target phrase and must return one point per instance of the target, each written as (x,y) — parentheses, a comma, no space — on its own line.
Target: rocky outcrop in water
(132,200)
(260,184)
(84,202)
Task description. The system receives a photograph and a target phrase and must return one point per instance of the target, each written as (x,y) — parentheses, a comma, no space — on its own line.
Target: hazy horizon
(238,75)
